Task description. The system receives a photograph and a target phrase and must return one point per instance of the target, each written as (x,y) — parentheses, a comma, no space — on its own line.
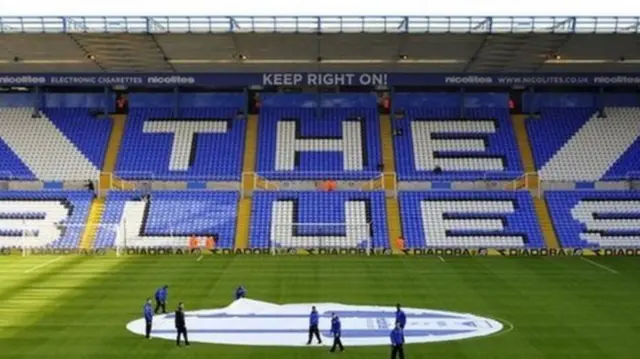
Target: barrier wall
(59,100)
(187,100)
(306,100)
(533,102)
(450,100)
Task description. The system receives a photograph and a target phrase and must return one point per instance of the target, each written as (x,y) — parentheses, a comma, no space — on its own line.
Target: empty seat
(470,219)
(52,219)
(481,146)
(168,218)
(318,219)
(207,145)
(579,145)
(596,219)
(57,145)
(303,143)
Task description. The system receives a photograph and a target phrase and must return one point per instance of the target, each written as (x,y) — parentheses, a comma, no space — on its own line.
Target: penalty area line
(43,264)
(199,258)
(441,259)
(599,265)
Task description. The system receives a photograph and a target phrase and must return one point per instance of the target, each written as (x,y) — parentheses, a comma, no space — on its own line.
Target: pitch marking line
(199,258)
(43,264)
(441,259)
(600,265)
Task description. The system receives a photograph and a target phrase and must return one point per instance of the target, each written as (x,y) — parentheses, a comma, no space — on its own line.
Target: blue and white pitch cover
(252,322)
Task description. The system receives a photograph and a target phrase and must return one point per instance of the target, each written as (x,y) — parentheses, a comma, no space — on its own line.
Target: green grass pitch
(77,307)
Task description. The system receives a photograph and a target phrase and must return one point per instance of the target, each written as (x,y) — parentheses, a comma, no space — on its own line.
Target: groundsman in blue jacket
(241,292)
(336,332)
(161,299)
(397,342)
(148,317)
(401,318)
(314,319)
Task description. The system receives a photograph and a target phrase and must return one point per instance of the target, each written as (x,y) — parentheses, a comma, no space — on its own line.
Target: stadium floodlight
(290,237)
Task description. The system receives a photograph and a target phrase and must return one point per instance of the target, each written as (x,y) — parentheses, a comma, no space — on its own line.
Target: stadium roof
(297,44)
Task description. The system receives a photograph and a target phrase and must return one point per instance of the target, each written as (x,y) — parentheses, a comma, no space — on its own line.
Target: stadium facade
(370,135)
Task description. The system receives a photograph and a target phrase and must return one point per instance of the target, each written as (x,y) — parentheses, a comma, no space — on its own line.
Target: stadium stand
(596,219)
(318,219)
(88,133)
(54,154)
(52,219)
(167,218)
(295,141)
(198,143)
(463,142)
(451,157)
(583,145)
(300,141)
(469,219)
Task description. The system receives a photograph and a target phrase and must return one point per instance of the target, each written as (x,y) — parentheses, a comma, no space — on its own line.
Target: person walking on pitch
(397,342)
(181,325)
(401,318)
(314,318)
(336,331)
(148,318)
(240,292)
(161,299)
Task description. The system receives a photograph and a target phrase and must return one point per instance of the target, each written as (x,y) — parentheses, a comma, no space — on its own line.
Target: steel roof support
(165,58)
(556,50)
(86,53)
(484,25)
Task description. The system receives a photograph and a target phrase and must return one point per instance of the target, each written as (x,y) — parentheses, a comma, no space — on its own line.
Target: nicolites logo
(472,79)
(178,80)
(23,79)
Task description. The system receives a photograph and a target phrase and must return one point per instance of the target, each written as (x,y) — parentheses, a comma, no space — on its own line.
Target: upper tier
(439,137)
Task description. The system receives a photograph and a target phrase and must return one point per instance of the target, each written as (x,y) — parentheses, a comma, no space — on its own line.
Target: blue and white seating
(57,145)
(206,145)
(576,144)
(51,219)
(469,219)
(342,143)
(168,218)
(318,219)
(596,219)
(481,146)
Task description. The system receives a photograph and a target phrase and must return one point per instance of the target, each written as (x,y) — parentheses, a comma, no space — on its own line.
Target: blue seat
(319,164)
(76,202)
(213,156)
(317,215)
(176,214)
(557,126)
(495,155)
(470,219)
(612,218)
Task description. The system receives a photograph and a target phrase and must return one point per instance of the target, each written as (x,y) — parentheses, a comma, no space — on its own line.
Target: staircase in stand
(389,181)
(531,181)
(249,182)
(107,179)
(546,224)
(92,224)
